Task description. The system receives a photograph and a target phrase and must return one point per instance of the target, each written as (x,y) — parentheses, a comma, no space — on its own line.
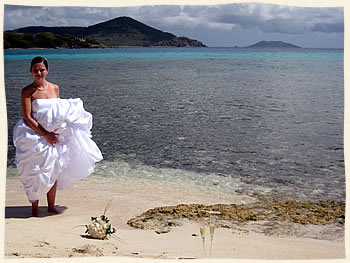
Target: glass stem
(211,243)
(203,240)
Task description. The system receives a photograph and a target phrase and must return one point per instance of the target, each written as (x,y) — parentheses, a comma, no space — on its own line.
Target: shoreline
(111,47)
(121,47)
(132,197)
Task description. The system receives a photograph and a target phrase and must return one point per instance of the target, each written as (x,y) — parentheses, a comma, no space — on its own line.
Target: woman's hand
(51,137)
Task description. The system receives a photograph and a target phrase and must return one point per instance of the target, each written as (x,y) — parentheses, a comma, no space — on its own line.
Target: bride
(53,139)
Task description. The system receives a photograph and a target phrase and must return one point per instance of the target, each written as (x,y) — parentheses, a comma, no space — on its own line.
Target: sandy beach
(62,236)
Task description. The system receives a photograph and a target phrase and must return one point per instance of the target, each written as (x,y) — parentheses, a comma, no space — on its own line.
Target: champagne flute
(212,221)
(202,231)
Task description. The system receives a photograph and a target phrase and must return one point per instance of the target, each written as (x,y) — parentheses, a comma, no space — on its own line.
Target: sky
(228,25)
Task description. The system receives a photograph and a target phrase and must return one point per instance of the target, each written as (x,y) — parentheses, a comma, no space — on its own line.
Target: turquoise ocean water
(261,121)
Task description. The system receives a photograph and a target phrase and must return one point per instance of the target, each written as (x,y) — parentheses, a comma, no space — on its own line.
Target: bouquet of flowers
(99,227)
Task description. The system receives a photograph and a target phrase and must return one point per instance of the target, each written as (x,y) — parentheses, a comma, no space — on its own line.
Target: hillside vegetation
(45,40)
(121,31)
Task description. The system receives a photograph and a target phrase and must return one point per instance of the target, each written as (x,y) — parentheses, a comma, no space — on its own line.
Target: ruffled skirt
(73,158)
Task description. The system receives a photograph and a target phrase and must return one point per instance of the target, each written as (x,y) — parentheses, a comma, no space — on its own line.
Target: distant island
(118,32)
(272,44)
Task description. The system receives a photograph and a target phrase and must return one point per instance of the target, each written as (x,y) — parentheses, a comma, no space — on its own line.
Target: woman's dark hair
(39,60)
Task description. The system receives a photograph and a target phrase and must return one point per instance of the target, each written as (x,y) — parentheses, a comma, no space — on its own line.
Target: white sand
(54,236)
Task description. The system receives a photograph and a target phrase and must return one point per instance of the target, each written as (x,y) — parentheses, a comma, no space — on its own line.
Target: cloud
(260,17)
(247,18)
(279,19)
(263,18)
(21,16)
(329,28)
(183,17)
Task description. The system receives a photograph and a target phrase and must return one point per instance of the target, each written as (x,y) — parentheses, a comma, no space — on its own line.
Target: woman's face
(39,71)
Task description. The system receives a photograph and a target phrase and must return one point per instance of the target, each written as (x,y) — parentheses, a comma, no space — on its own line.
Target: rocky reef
(316,213)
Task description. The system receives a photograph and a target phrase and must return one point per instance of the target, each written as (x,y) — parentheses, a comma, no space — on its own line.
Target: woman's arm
(26,101)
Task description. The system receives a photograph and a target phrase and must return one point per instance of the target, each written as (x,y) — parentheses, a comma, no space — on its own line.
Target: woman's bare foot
(53,210)
(51,196)
(35,212)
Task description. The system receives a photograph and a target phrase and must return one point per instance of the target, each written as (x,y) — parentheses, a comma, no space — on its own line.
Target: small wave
(133,170)
(225,117)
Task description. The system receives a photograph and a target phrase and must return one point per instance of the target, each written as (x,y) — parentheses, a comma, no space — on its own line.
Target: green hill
(126,31)
(121,31)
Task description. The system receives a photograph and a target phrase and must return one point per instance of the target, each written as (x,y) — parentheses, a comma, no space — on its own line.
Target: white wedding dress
(74,155)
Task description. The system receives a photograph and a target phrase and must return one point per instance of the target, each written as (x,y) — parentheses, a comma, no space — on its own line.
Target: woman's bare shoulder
(28,90)
(54,86)
(56,89)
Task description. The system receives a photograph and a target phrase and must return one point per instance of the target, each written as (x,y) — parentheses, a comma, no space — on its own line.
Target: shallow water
(237,120)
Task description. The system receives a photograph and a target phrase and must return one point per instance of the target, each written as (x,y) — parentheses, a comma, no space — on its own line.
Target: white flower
(99,226)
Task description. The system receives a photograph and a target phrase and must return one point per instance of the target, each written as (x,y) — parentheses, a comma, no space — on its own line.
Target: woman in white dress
(53,139)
